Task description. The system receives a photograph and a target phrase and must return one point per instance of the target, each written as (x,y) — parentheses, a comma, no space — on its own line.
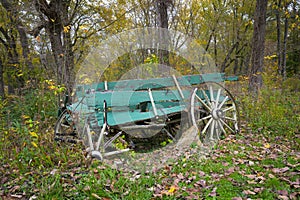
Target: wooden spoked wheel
(65,129)
(214,111)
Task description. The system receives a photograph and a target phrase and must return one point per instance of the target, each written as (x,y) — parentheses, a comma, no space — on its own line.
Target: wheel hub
(217,113)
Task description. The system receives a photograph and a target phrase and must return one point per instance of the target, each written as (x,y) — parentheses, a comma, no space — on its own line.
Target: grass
(262,162)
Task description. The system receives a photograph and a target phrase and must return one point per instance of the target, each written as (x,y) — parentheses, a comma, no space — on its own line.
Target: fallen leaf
(180,176)
(271,176)
(17,196)
(251,163)
(172,189)
(247,192)
(280,170)
(213,192)
(14,189)
(229,171)
(251,176)
(53,172)
(252,182)
(283,197)
(201,183)
(258,190)
(267,145)
(293,166)
(237,198)
(201,173)
(33,197)
(294,195)
(282,192)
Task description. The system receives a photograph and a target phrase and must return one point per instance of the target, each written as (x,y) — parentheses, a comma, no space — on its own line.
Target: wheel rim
(214,111)
(64,129)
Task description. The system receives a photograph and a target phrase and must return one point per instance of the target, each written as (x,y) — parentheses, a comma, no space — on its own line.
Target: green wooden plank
(132,98)
(154,83)
(124,117)
(231,78)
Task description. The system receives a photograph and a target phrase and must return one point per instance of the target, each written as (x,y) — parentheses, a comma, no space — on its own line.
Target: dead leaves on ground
(266,159)
(255,159)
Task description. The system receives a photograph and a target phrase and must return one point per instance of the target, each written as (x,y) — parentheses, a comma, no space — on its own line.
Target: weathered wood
(154,83)
(132,127)
(130,105)
(131,98)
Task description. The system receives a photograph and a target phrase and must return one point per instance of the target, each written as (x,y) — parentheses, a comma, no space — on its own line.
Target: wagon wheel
(64,129)
(214,111)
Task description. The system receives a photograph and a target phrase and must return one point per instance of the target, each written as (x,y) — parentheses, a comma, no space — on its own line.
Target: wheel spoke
(212,130)
(64,125)
(229,108)
(221,126)
(217,129)
(206,98)
(204,118)
(211,92)
(204,104)
(222,103)
(207,125)
(227,125)
(218,97)
(229,118)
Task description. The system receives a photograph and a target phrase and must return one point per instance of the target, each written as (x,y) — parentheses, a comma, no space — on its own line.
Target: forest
(47,47)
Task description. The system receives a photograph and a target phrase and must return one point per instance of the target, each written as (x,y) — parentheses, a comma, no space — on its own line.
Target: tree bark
(54,17)
(278,28)
(14,59)
(162,11)
(286,27)
(1,81)
(9,7)
(258,45)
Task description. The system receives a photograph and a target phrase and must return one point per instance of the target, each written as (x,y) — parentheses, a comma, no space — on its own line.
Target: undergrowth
(276,108)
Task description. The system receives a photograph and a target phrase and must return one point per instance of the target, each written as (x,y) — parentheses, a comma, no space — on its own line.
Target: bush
(274,110)
(292,84)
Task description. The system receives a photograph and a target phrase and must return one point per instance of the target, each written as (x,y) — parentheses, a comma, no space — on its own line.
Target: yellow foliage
(270,57)
(172,190)
(34,144)
(38,38)
(33,134)
(25,117)
(67,28)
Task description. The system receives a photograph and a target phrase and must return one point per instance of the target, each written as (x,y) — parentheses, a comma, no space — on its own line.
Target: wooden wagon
(105,113)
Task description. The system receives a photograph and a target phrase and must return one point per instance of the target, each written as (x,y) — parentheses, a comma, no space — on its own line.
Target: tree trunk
(162,11)
(278,27)
(1,81)
(56,26)
(286,27)
(258,45)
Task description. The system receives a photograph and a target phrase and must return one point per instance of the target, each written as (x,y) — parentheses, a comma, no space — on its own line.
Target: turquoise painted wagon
(107,114)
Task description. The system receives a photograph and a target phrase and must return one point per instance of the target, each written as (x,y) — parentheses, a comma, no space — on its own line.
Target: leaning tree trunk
(258,45)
